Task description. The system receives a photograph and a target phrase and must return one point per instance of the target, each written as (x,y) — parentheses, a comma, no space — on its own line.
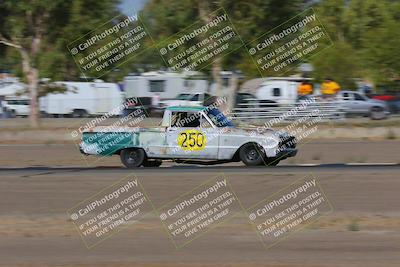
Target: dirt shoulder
(63,130)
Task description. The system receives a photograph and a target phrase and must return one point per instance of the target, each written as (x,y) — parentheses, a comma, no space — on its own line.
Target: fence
(255,110)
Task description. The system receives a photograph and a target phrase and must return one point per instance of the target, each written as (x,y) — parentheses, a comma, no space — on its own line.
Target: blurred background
(355,80)
(354,153)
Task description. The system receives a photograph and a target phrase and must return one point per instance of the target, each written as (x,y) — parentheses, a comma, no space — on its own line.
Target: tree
(40,30)
(251,18)
(366,40)
(338,62)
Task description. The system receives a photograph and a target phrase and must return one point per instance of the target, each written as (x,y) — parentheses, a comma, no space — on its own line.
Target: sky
(127,5)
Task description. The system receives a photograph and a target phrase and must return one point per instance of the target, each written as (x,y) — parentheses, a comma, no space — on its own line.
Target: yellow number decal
(192,140)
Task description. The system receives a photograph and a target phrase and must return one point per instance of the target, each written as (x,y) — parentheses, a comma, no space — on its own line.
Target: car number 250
(192,140)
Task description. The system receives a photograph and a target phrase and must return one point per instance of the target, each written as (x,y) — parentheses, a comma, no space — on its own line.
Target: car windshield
(183,96)
(219,118)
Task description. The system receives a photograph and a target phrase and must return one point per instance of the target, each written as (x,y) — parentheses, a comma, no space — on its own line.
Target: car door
(191,136)
(348,102)
(361,104)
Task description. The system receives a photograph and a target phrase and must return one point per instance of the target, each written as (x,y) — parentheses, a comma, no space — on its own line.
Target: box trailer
(83,99)
(279,90)
(166,85)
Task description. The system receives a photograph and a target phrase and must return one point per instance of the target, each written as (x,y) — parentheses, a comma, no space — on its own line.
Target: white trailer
(166,85)
(280,90)
(82,99)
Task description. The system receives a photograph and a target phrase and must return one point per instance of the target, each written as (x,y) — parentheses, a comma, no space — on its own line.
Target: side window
(206,96)
(195,97)
(185,119)
(157,85)
(276,92)
(205,123)
(358,97)
(346,96)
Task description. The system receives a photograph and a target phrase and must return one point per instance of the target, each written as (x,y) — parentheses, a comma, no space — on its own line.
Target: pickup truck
(354,103)
(190,134)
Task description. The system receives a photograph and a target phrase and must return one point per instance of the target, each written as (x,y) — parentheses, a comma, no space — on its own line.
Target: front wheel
(133,157)
(251,154)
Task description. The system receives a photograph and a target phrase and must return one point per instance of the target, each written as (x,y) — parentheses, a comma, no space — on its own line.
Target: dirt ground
(310,152)
(61,131)
(362,230)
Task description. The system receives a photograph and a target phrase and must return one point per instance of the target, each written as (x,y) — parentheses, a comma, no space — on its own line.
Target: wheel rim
(252,154)
(377,113)
(132,157)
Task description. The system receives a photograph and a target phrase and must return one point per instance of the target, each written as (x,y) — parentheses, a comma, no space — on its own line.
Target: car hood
(251,131)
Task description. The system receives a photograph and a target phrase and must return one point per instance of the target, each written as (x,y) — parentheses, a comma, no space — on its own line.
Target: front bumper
(287,147)
(286,153)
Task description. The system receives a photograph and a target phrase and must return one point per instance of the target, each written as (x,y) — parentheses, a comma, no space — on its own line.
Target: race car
(190,134)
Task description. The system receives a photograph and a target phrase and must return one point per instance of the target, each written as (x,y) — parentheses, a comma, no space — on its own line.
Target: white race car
(200,135)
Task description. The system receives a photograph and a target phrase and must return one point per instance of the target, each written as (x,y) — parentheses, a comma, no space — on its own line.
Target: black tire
(152,163)
(133,157)
(79,113)
(377,113)
(251,154)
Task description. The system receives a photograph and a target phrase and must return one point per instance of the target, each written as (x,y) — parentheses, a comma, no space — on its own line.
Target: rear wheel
(377,113)
(251,154)
(133,157)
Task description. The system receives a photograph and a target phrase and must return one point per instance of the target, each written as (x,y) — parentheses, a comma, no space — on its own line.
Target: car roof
(186,108)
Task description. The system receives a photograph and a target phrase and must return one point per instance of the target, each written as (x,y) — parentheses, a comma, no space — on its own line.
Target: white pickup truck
(198,135)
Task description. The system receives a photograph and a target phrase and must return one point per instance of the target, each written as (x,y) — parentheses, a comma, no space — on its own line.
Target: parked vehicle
(279,90)
(16,106)
(12,87)
(185,99)
(83,99)
(392,101)
(246,99)
(197,135)
(166,85)
(355,103)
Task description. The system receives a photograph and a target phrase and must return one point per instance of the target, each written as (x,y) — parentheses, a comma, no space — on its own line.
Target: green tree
(251,18)
(40,29)
(338,62)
